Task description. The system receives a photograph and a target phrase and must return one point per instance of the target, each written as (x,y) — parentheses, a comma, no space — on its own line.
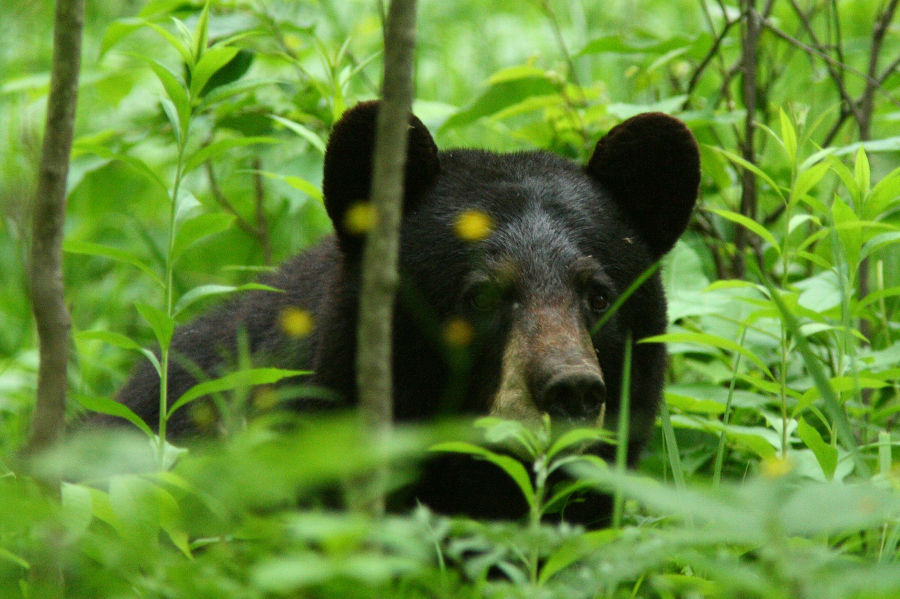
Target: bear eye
(597,301)
(484,297)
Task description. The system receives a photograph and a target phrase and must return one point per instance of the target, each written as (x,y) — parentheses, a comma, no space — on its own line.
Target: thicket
(196,165)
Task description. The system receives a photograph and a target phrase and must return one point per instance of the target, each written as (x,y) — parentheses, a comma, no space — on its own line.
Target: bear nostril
(574,396)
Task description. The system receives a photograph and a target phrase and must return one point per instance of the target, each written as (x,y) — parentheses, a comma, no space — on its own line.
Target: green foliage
(197,164)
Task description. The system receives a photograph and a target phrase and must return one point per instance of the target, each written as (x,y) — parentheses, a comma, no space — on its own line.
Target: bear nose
(574,396)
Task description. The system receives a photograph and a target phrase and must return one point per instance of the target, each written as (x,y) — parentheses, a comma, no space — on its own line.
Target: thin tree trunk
(866,109)
(750,42)
(50,313)
(380,256)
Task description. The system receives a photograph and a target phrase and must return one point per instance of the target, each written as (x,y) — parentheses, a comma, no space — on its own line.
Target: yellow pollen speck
(264,398)
(359,218)
(776,467)
(473,225)
(204,415)
(296,322)
(292,41)
(458,332)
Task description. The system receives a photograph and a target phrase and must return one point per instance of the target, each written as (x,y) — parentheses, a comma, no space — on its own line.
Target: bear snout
(575,395)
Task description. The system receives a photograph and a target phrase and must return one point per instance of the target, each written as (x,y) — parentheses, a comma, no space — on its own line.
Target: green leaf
(118,30)
(204,291)
(160,7)
(174,119)
(136,163)
(170,520)
(693,404)
(119,340)
(883,197)
(576,438)
(304,132)
(111,407)
(235,380)
(201,36)
(297,183)
(838,384)
(589,543)
(131,500)
(505,90)
(788,135)
(211,61)
(750,167)
(177,93)
(806,179)
(163,326)
(879,242)
(12,557)
(750,224)
(223,92)
(876,296)
(220,146)
(199,227)
(95,249)
(77,508)
(826,455)
(761,441)
(712,341)
(513,468)
(846,177)
(176,43)
(847,225)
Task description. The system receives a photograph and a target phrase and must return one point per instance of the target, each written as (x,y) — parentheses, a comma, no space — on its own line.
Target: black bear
(507,262)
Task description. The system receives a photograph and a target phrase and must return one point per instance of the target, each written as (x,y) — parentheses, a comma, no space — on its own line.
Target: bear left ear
(347,177)
(650,165)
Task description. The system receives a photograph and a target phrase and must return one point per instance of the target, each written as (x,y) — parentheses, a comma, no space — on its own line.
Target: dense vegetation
(197,165)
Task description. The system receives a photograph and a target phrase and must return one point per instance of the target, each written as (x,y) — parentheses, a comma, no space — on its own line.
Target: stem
(534,516)
(720,450)
(622,432)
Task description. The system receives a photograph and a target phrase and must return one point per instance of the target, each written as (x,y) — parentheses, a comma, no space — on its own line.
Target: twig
(835,68)
(259,232)
(262,223)
(792,40)
(712,53)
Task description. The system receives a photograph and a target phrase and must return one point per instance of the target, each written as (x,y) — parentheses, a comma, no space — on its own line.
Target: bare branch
(866,102)
(835,68)
(792,40)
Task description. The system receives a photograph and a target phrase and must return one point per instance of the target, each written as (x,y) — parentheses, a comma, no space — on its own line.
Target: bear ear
(650,165)
(348,170)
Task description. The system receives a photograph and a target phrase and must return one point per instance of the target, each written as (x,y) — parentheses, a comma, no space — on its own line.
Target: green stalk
(169,291)
(534,516)
(720,450)
(622,446)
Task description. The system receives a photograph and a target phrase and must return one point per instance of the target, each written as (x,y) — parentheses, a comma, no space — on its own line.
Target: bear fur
(506,261)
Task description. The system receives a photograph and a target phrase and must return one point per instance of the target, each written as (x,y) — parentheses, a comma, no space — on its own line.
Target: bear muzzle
(550,366)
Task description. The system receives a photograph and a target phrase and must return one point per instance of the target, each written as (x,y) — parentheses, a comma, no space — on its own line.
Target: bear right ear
(650,165)
(347,179)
